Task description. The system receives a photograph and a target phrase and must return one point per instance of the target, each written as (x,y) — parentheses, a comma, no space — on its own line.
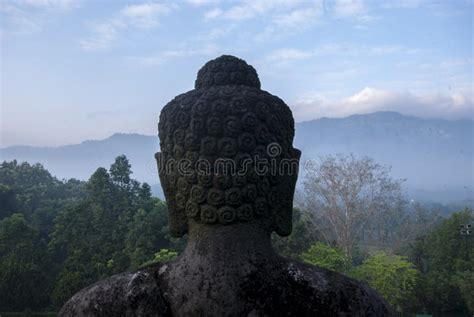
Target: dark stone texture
(227,70)
(227,117)
(213,278)
(229,267)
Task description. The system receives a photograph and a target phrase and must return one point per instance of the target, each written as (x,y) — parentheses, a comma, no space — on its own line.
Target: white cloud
(211,14)
(403,4)
(214,33)
(356,10)
(295,21)
(49,4)
(288,54)
(30,16)
(145,15)
(299,18)
(241,12)
(255,8)
(275,18)
(287,17)
(159,59)
(18,21)
(438,8)
(341,49)
(349,8)
(429,105)
(340,76)
(104,34)
(202,2)
(391,49)
(456,63)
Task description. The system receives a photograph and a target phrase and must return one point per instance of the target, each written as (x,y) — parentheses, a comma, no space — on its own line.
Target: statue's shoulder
(300,289)
(127,294)
(334,292)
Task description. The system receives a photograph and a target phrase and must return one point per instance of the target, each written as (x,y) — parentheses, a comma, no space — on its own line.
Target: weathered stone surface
(220,280)
(227,118)
(229,267)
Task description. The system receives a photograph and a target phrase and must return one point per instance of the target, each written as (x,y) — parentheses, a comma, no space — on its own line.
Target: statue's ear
(283,210)
(178,222)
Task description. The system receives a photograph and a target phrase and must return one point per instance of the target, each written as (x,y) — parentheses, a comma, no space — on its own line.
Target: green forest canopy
(58,236)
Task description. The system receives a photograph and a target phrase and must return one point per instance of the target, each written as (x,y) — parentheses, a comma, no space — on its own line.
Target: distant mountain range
(434,155)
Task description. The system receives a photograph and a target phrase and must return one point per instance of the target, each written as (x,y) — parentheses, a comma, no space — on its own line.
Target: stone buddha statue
(228,170)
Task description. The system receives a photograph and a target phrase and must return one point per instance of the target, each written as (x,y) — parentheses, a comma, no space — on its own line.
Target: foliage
(57,237)
(391,275)
(327,257)
(411,223)
(23,282)
(27,187)
(163,255)
(30,201)
(445,259)
(120,171)
(101,235)
(147,233)
(465,282)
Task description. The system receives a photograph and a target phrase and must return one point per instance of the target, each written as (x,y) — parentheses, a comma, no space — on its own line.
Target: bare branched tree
(417,221)
(352,199)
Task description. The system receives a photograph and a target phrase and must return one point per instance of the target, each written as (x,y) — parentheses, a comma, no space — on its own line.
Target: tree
(24,278)
(31,184)
(8,203)
(100,187)
(324,256)
(89,236)
(77,250)
(33,192)
(391,275)
(30,199)
(465,281)
(410,224)
(120,171)
(57,237)
(145,234)
(116,227)
(350,198)
(445,259)
(163,255)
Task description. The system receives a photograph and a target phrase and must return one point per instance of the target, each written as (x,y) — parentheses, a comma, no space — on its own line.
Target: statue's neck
(217,261)
(237,243)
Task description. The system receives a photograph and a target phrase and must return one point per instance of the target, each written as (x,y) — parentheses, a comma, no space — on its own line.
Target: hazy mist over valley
(435,156)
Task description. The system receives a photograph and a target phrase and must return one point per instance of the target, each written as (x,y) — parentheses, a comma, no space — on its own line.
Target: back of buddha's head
(226,152)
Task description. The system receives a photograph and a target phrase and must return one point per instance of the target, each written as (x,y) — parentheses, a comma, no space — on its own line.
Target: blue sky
(73,70)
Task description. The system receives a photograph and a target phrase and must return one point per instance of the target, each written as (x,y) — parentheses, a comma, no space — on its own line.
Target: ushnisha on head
(215,143)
